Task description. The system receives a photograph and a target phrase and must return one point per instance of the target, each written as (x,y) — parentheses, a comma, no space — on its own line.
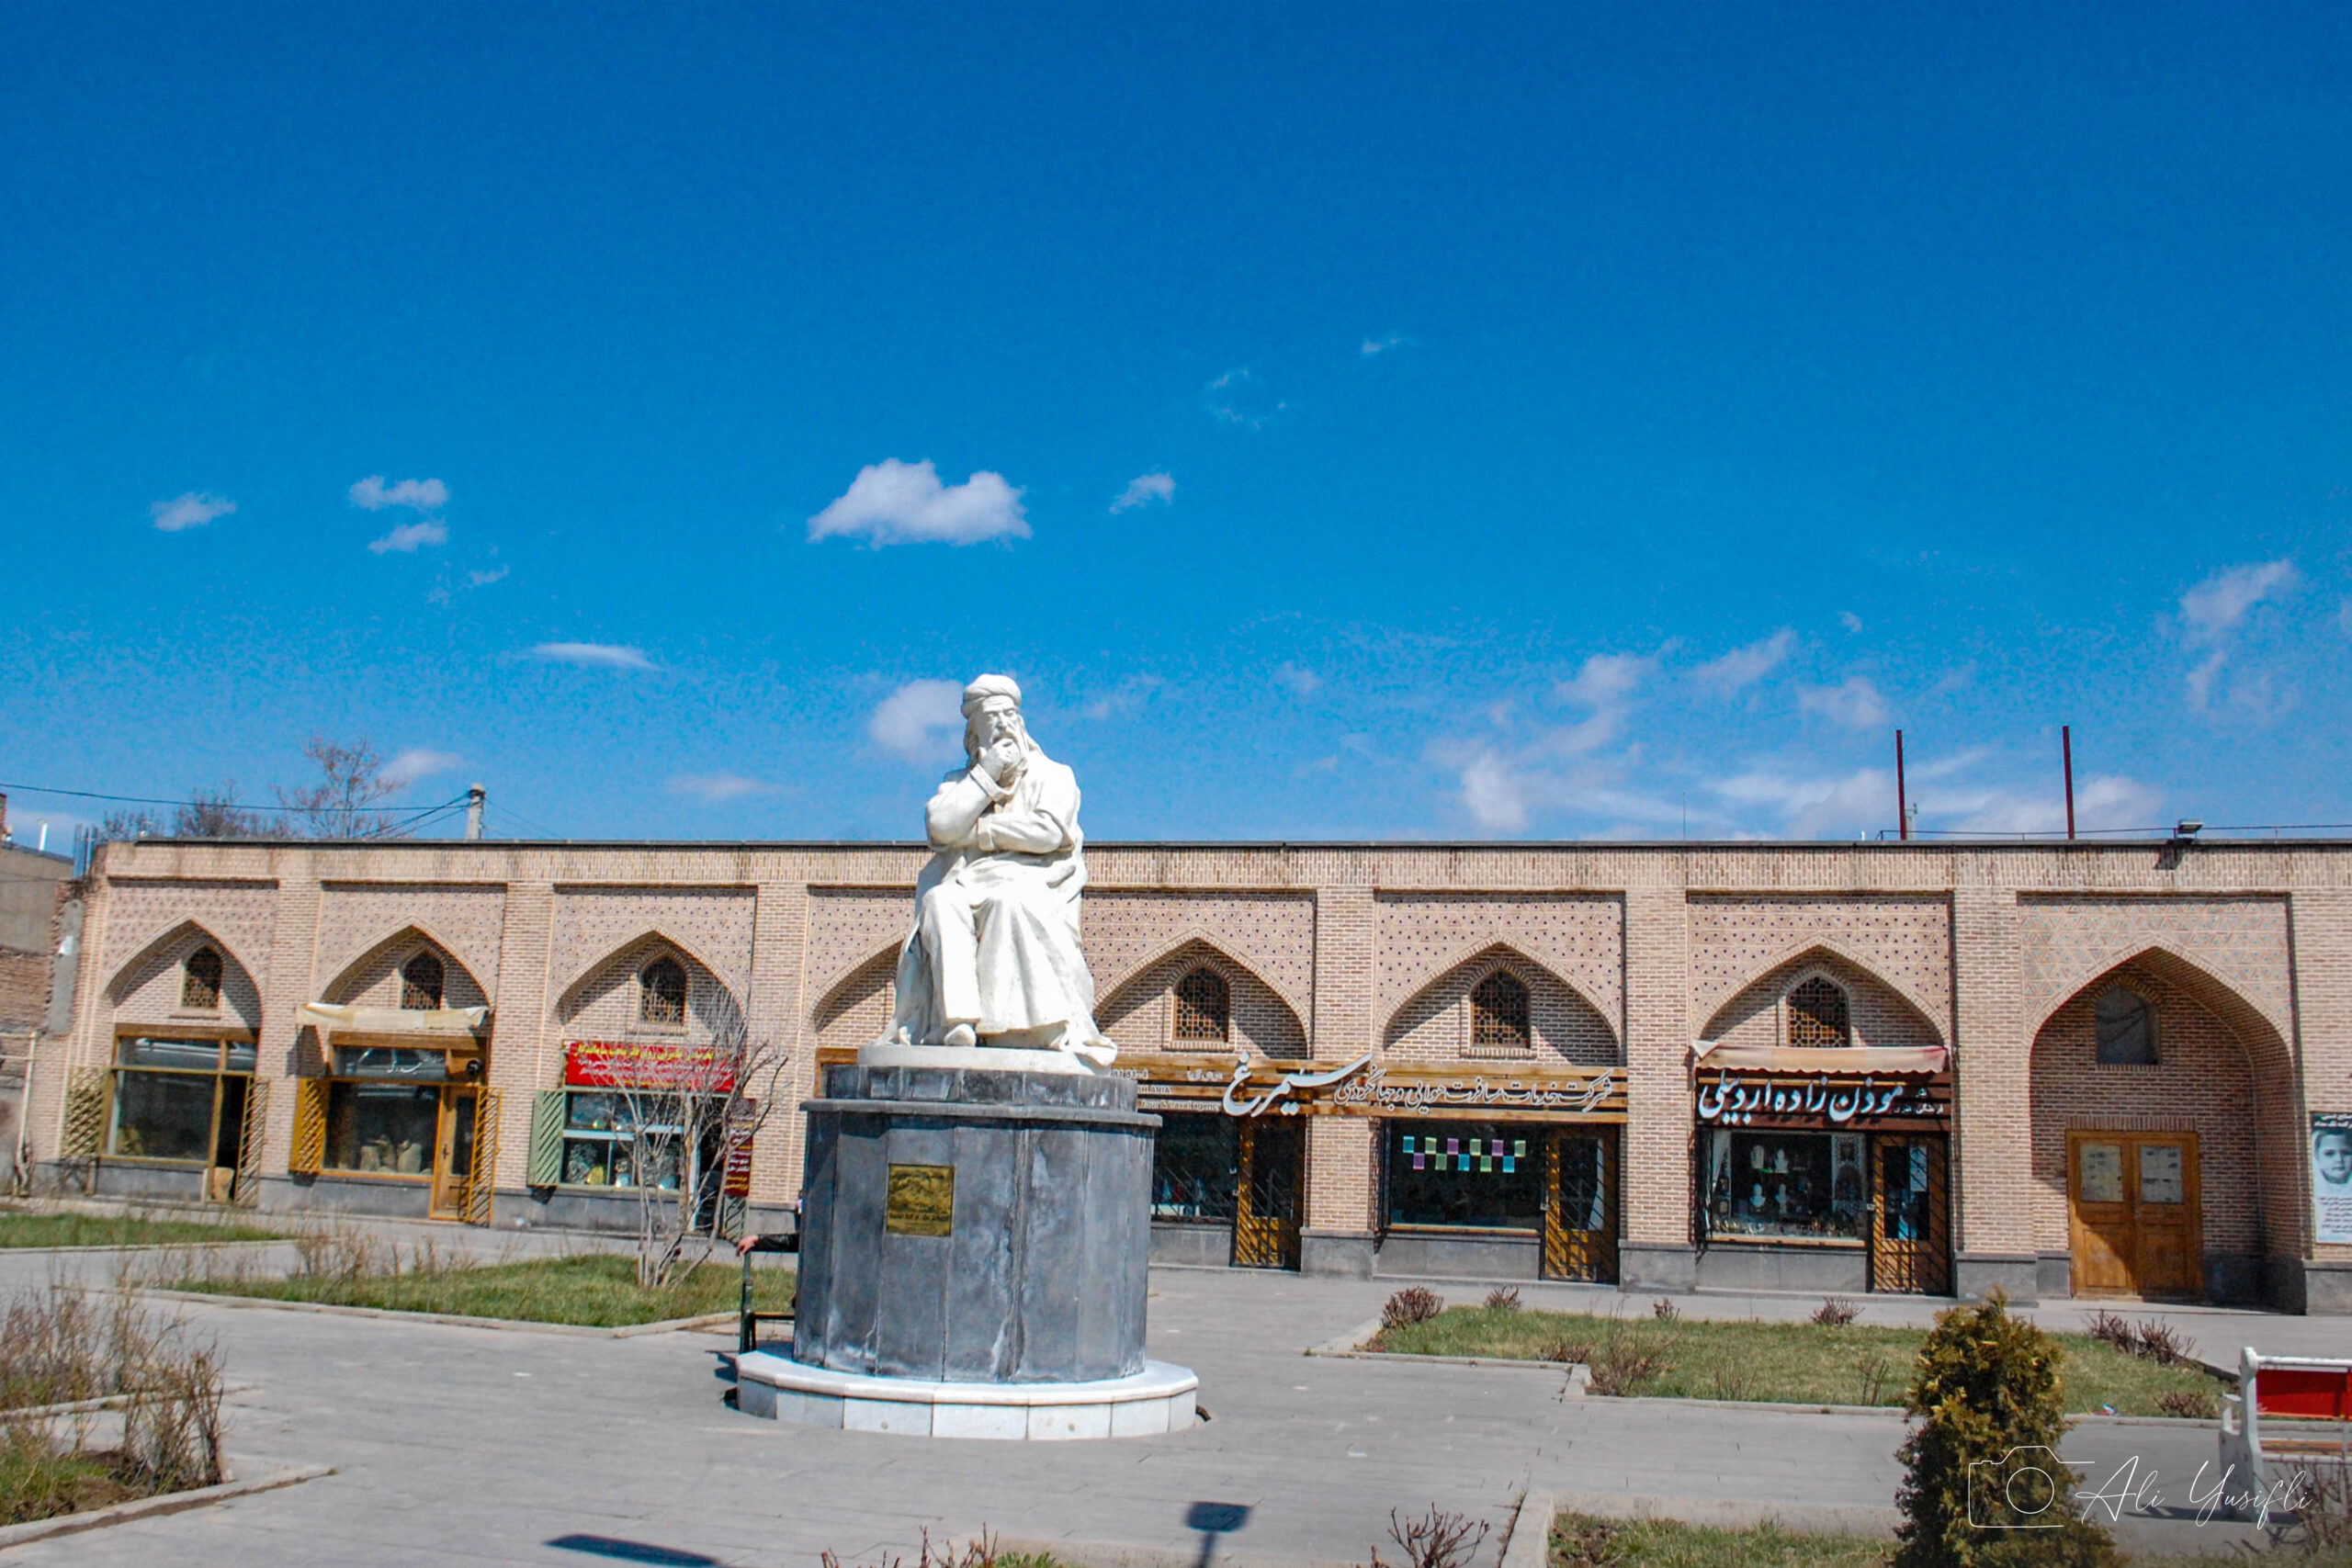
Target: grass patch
(1795,1363)
(1580,1541)
(37,1482)
(18,1229)
(598,1291)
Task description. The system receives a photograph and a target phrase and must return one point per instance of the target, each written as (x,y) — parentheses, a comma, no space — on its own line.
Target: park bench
(2282,1388)
(747,1329)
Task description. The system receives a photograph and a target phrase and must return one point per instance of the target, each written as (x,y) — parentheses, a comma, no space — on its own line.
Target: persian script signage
(922,1200)
(1242,1087)
(622,1064)
(1740,1100)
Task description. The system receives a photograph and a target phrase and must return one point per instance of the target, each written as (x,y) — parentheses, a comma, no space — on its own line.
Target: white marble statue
(993,959)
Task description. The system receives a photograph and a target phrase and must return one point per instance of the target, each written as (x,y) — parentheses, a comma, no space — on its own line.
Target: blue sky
(1345,422)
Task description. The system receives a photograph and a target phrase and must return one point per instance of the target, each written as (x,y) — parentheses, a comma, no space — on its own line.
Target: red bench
(2283,1388)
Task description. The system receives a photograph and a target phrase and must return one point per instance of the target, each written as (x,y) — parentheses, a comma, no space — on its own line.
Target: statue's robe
(995,939)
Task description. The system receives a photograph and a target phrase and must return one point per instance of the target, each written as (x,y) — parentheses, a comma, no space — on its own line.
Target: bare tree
(215,814)
(120,827)
(346,801)
(688,1111)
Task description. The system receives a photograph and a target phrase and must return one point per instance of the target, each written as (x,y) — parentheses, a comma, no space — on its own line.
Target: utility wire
(223,804)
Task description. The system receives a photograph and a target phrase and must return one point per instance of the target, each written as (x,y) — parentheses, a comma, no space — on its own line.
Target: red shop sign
(621,1064)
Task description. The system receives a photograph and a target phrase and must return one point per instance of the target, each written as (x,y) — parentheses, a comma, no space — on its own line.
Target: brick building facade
(2050,1067)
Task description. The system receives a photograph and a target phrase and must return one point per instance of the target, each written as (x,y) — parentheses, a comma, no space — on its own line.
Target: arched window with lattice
(1204,1008)
(421,981)
(1818,1015)
(200,981)
(1498,1013)
(662,993)
(2127,1029)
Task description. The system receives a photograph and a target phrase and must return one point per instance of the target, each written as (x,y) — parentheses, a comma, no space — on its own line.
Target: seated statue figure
(993,958)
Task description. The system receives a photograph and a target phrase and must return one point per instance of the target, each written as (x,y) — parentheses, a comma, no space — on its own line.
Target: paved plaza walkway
(463,1445)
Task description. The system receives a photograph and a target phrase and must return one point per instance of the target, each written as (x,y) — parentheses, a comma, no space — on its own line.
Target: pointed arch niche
(1145,1013)
(1442,1021)
(374,978)
(1797,1002)
(155,986)
(629,995)
(2222,1072)
(857,1008)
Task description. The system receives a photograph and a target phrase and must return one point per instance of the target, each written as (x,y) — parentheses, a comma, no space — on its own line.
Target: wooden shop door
(1910,1233)
(2137,1228)
(1272,1199)
(1580,1206)
(453,1156)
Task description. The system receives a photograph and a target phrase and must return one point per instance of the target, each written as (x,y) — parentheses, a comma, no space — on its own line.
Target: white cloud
(921,721)
(1855,702)
(1607,679)
(192,509)
(2107,802)
(893,503)
(1743,667)
(592,655)
(372,494)
(2200,678)
(2215,607)
(1145,489)
(1297,681)
(484,579)
(409,535)
(1850,621)
(1818,806)
(1238,398)
(717,788)
(1372,345)
(1123,699)
(2344,617)
(419,763)
(1493,795)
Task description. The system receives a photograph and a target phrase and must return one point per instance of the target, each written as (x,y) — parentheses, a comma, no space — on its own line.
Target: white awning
(445,1026)
(1840,1059)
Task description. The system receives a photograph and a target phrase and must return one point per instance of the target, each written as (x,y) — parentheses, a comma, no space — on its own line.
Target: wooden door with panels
(1580,1205)
(1271,1200)
(1910,1230)
(2135,1214)
(453,1155)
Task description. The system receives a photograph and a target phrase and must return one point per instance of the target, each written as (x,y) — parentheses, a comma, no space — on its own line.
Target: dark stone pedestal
(1039,1275)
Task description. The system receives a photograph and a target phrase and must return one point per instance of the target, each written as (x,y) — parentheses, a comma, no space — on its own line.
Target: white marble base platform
(974,1058)
(1154,1401)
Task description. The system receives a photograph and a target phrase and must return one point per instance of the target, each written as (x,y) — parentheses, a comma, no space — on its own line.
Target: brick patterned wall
(2204,1082)
(525,1045)
(285,986)
(1879,1014)
(1269,935)
(604,1004)
(2070,940)
(148,988)
(1341,1187)
(1903,942)
(1342,1024)
(1579,938)
(1657,1076)
(778,1007)
(238,915)
(1434,1026)
(464,920)
(849,926)
(2321,933)
(24,991)
(1141,1014)
(1992,1151)
(374,981)
(595,925)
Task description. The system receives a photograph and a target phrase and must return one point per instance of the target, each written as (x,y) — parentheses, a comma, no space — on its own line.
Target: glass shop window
(1479,1174)
(171,1097)
(382,1127)
(1195,1166)
(606,1144)
(2127,1029)
(1808,1185)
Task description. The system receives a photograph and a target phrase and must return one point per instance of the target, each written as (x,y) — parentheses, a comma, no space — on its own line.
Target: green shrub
(1987,1387)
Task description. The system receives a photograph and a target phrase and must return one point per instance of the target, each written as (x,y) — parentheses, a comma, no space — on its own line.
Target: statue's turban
(987,690)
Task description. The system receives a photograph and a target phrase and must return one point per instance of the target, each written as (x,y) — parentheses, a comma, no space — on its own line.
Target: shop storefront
(396,1124)
(634,1119)
(1480,1171)
(182,1116)
(1824,1169)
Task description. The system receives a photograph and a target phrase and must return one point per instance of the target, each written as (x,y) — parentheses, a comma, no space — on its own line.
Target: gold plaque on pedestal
(922,1200)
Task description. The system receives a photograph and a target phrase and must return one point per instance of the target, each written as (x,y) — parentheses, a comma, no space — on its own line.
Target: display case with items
(604,1145)
(1463,1174)
(1808,1186)
(181,1100)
